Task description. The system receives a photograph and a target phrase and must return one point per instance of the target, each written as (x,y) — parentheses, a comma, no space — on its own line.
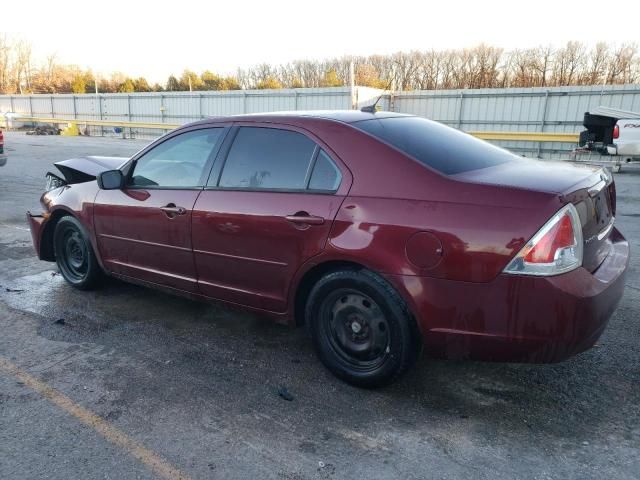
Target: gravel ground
(196,384)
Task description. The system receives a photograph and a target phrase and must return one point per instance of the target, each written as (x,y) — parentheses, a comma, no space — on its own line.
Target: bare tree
(22,66)
(5,64)
(598,61)
(482,66)
(623,64)
(569,61)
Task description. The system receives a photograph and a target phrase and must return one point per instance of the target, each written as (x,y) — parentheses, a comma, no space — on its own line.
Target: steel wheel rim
(356,329)
(74,258)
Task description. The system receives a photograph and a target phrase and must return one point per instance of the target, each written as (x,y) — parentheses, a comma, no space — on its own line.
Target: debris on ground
(284,393)
(327,470)
(44,130)
(13,290)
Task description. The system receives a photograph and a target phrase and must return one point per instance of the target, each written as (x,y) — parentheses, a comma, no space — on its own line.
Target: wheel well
(46,243)
(309,280)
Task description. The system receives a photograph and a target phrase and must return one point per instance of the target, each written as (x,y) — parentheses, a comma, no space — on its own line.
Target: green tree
(367,76)
(157,87)
(141,85)
(211,81)
(269,83)
(190,81)
(172,84)
(127,86)
(90,82)
(231,83)
(297,83)
(79,84)
(331,79)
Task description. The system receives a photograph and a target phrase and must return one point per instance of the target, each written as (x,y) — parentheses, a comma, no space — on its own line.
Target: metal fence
(180,107)
(553,110)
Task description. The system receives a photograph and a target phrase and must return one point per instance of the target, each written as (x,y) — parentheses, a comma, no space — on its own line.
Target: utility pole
(352,83)
(352,75)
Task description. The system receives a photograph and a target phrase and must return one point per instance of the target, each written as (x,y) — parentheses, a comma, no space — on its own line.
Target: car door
(144,230)
(267,208)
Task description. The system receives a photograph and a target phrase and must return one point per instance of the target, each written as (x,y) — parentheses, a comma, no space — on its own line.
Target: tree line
(482,66)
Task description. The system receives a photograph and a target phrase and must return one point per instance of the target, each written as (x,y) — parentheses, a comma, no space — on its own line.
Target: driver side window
(177,163)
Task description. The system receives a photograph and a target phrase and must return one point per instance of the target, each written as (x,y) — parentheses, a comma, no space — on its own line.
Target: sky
(156,38)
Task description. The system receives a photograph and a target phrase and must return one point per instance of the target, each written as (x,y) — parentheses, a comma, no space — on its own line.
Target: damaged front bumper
(36,225)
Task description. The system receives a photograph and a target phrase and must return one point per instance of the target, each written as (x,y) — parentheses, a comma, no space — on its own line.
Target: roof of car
(344,116)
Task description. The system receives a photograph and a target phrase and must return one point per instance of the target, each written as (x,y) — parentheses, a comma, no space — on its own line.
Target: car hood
(84,169)
(535,175)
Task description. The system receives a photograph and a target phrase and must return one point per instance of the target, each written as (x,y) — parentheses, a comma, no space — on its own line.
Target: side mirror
(110,180)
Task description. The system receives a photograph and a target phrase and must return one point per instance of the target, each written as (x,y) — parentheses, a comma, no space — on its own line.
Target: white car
(612,132)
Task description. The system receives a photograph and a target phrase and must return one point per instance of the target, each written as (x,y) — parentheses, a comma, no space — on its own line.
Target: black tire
(74,254)
(362,329)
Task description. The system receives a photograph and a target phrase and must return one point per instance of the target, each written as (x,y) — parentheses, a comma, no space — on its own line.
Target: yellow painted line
(527,136)
(104,123)
(485,135)
(153,461)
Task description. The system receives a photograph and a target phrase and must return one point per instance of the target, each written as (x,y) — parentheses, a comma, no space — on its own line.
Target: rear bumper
(630,149)
(36,225)
(519,318)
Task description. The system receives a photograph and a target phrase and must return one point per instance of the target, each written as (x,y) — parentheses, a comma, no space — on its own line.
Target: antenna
(372,108)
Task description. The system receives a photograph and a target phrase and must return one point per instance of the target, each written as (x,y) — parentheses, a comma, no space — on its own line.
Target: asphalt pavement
(126,382)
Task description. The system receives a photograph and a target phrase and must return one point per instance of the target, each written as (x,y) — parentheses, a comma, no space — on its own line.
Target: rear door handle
(171,210)
(303,218)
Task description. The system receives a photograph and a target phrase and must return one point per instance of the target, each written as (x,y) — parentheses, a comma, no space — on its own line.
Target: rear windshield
(442,148)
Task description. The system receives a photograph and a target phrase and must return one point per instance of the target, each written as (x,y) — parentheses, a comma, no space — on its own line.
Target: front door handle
(171,210)
(305,218)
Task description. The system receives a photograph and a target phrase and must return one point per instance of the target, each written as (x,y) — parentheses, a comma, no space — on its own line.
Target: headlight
(53,182)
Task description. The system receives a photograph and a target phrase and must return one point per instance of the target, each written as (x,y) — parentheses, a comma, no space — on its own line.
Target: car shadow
(221,351)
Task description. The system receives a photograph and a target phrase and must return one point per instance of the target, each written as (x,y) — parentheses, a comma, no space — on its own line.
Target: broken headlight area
(53,181)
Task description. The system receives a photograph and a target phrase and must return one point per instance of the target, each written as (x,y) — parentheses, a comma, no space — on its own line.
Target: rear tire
(361,328)
(74,254)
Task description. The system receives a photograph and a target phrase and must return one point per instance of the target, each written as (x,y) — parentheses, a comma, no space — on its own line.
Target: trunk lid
(590,188)
(534,175)
(596,205)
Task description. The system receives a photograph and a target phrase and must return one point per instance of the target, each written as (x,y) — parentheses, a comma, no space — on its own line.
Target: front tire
(74,254)
(362,329)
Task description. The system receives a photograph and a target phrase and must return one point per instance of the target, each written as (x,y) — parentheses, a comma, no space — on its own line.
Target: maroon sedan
(383,233)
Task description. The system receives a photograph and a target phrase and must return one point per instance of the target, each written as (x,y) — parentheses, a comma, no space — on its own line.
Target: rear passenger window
(326,175)
(442,148)
(268,158)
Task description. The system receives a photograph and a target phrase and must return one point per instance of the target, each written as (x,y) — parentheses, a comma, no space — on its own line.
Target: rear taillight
(612,197)
(616,131)
(556,248)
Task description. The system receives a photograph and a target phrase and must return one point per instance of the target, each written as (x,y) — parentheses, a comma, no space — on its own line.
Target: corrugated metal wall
(558,109)
(176,107)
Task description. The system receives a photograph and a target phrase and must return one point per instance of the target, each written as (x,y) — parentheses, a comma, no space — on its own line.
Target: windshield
(442,148)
